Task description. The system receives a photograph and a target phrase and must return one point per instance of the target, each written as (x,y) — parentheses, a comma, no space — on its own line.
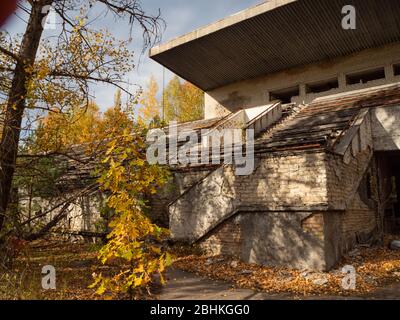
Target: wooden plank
(345,141)
(300,138)
(313,121)
(313,140)
(331,126)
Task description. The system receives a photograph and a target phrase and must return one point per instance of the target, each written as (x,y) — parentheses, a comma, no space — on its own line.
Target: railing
(265,119)
(244,119)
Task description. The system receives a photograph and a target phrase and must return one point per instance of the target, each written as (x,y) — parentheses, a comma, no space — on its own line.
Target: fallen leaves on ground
(375,267)
(75,263)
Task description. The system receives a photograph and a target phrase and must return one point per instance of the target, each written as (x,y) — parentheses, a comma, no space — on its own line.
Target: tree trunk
(60,216)
(16,103)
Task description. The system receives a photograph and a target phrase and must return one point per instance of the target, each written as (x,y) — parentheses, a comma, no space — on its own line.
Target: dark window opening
(365,76)
(396,68)
(396,191)
(369,188)
(322,86)
(285,95)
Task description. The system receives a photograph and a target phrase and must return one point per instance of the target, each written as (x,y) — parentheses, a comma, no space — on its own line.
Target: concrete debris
(395,245)
(354,253)
(209,262)
(370,280)
(246,272)
(318,279)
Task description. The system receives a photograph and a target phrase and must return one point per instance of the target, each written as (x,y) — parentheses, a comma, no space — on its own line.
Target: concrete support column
(267,97)
(303,92)
(389,72)
(342,81)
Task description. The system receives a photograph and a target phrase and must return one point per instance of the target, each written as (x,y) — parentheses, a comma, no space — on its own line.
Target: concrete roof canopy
(277,35)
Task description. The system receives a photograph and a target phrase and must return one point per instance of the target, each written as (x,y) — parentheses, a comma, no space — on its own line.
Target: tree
(118,100)
(60,75)
(183,102)
(149,104)
(171,100)
(62,140)
(192,103)
(60,131)
(116,118)
(135,242)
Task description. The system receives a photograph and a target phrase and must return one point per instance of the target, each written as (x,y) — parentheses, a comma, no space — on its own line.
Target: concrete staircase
(212,200)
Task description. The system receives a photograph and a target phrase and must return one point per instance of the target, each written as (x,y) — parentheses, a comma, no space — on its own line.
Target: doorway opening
(389,184)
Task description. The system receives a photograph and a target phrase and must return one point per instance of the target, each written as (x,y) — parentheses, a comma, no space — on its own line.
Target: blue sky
(181,16)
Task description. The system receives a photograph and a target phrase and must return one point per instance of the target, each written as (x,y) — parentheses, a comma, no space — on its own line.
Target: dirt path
(182,285)
(188,286)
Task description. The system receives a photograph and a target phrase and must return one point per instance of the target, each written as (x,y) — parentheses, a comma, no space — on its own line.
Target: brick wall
(83,214)
(226,239)
(296,209)
(352,188)
(314,225)
(270,238)
(285,181)
(280,182)
(360,220)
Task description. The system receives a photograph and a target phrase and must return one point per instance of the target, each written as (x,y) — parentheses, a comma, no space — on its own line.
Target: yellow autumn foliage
(134,243)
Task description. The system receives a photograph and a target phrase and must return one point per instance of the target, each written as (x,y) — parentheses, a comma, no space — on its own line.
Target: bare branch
(152,26)
(10,54)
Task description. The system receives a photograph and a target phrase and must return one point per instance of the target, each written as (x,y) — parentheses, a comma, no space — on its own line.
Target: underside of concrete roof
(275,36)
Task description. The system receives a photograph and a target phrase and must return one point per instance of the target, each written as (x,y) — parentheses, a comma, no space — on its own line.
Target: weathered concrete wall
(271,238)
(318,197)
(344,178)
(354,217)
(289,181)
(333,249)
(255,92)
(84,214)
(279,182)
(301,239)
(386,128)
(288,190)
(204,206)
(181,180)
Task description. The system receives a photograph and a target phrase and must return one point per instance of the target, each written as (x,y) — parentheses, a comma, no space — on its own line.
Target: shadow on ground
(183,285)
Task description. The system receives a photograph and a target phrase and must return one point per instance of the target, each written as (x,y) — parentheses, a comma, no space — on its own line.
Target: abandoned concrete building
(325,105)
(324,102)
